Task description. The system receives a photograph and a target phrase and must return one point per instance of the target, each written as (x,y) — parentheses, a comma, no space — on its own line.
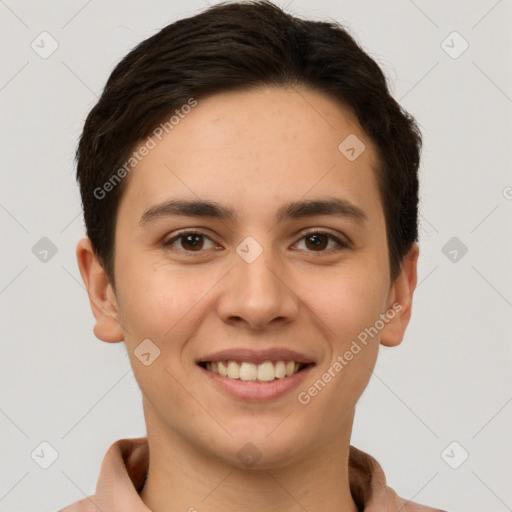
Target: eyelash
(198,231)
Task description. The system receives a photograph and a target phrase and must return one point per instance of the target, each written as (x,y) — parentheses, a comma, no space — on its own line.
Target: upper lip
(256,356)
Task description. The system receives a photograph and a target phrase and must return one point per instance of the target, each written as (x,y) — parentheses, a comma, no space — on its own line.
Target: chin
(262,444)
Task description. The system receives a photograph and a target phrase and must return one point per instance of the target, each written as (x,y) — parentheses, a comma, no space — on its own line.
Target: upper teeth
(266,371)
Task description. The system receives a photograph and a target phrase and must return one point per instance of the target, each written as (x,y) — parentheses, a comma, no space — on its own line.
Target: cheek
(163,306)
(347,305)
(348,302)
(161,303)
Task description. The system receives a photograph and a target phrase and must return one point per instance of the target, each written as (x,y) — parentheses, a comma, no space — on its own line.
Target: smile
(247,371)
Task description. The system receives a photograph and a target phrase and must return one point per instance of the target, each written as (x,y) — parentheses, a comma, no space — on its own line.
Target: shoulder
(370,489)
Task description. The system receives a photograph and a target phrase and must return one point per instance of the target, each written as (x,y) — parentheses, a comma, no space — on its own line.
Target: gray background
(450,379)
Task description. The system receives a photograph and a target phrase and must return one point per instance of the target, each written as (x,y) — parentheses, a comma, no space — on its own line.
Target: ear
(400,300)
(101,295)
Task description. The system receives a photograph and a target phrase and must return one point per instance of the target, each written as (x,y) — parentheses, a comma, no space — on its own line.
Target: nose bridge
(256,292)
(260,276)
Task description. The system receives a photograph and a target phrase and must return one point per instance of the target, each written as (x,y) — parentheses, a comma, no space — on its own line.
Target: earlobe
(401,295)
(101,295)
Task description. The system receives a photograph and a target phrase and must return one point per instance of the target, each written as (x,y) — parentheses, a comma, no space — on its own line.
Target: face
(272,281)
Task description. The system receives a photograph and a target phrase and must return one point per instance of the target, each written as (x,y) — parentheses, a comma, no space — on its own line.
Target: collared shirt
(125,466)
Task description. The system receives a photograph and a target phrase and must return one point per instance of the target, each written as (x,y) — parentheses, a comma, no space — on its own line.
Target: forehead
(257,149)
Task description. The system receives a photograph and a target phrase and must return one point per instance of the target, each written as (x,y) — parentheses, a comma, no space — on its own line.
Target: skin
(252,151)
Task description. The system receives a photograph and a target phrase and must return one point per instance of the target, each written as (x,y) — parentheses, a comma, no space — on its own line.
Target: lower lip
(257,391)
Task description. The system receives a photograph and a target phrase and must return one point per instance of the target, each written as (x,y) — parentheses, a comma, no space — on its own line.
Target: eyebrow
(333,206)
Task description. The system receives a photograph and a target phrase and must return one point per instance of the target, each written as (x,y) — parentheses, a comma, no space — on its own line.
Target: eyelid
(343,240)
(185,232)
(340,243)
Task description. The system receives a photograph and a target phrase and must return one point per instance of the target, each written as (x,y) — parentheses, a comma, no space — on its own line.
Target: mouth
(255,375)
(266,371)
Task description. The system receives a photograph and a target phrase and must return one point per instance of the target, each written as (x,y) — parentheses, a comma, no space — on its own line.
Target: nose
(257,294)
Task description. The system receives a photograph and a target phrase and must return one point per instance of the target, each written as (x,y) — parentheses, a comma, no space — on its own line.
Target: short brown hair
(240,46)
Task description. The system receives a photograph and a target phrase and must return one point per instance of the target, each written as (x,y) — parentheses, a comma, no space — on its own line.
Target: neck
(185,477)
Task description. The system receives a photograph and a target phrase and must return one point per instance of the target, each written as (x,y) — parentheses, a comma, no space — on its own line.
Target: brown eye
(192,242)
(318,241)
(189,241)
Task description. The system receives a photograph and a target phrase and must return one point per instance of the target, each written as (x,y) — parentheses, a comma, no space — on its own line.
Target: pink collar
(125,465)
